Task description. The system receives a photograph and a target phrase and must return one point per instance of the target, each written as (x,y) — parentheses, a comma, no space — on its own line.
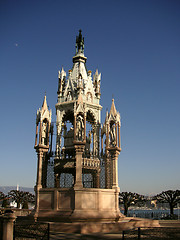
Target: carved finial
(79,43)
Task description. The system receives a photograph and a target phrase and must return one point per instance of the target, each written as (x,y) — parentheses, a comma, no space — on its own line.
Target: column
(116,135)
(101,143)
(74,127)
(114,157)
(38,182)
(39,169)
(36,135)
(79,151)
(40,133)
(119,136)
(8,225)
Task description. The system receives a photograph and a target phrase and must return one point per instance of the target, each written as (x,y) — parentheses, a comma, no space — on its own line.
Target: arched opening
(67,135)
(90,126)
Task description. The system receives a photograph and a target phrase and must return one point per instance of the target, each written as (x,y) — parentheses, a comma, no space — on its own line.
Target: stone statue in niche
(44,133)
(80,81)
(80,128)
(58,139)
(113,135)
(62,77)
(96,149)
(69,96)
(98,87)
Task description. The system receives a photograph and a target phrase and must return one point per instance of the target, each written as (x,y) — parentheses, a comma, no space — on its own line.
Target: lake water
(151,213)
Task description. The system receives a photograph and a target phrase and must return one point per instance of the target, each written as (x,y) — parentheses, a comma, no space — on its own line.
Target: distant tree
(171,197)
(16,196)
(129,199)
(4,199)
(21,197)
(27,198)
(2,195)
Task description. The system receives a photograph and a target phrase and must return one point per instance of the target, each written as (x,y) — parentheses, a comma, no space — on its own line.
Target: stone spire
(79,80)
(114,114)
(43,119)
(44,105)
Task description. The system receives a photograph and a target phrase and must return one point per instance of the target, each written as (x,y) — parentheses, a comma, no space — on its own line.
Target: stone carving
(79,43)
(113,135)
(96,148)
(44,133)
(80,128)
(62,77)
(80,81)
(69,96)
(89,97)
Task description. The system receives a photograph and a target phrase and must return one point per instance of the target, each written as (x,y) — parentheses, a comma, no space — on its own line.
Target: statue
(62,77)
(80,128)
(80,81)
(96,149)
(69,96)
(44,133)
(79,43)
(113,135)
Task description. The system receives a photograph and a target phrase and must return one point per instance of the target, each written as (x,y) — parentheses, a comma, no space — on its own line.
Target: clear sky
(134,44)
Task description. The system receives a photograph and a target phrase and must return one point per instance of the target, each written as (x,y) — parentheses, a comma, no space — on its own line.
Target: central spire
(79,43)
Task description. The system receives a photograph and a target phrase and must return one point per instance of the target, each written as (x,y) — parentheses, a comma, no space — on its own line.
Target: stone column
(74,127)
(79,151)
(108,171)
(39,168)
(101,143)
(40,152)
(84,127)
(114,157)
(40,133)
(36,134)
(116,135)
(119,136)
(8,226)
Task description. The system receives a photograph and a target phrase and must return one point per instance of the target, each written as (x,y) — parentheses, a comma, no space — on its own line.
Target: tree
(16,196)
(27,198)
(4,199)
(21,197)
(129,199)
(171,197)
(2,196)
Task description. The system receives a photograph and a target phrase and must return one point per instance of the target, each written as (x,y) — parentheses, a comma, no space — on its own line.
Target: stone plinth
(79,204)
(104,227)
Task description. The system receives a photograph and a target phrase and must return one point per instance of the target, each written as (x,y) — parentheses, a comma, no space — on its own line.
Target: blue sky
(134,44)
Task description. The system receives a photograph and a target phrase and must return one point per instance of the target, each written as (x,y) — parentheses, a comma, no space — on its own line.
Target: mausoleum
(78,180)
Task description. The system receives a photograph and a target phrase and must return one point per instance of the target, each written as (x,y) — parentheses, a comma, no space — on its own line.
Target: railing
(92,163)
(159,233)
(31,231)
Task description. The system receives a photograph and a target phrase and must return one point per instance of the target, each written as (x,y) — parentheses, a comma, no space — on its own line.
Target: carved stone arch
(68,115)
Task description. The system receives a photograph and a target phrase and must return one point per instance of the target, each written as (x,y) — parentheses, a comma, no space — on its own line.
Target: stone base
(94,227)
(78,205)
(84,210)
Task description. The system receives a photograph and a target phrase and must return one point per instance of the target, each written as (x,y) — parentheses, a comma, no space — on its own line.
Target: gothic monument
(78,181)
